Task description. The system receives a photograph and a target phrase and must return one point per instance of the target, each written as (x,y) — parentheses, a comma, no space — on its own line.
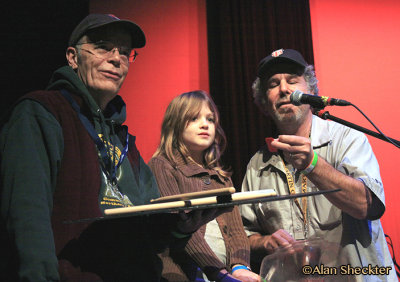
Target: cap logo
(111,15)
(277,53)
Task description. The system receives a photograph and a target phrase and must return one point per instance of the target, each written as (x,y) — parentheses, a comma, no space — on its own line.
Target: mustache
(282,102)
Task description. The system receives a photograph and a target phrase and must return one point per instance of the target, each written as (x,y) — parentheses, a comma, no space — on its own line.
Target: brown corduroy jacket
(181,265)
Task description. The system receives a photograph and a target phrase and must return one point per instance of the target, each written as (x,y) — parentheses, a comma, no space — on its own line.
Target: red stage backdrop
(356,52)
(174,60)
(356,57)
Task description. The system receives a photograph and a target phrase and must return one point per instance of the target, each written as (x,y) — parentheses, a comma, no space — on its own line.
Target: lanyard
(292,190)
(106,159)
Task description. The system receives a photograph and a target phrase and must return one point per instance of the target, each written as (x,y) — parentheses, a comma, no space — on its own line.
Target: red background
(356,59)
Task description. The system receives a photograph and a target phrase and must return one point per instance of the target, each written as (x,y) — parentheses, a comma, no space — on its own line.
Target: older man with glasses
(66,157)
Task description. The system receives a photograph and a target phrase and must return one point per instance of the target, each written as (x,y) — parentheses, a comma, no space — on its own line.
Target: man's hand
(278,239)
(267,244)
(191,221)
(296,149)
(355,198)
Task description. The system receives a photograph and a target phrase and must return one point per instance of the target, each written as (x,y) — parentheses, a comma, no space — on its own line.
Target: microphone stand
(326,115)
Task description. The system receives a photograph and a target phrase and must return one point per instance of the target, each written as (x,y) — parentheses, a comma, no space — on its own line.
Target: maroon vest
(78,181)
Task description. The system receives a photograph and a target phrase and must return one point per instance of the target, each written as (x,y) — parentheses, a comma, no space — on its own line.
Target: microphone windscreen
(295,97)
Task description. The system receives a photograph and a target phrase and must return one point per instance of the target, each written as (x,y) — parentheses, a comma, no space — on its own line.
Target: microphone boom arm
(326,115)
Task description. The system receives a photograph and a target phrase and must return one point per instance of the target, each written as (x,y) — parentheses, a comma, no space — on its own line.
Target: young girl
(187,160)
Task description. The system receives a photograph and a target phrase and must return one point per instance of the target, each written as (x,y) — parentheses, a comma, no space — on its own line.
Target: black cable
(387,138)
(396,266)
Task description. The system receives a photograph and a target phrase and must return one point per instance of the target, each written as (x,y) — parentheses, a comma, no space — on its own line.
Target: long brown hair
(179,112)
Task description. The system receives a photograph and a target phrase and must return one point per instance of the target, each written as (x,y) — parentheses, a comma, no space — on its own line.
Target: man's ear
(72,57)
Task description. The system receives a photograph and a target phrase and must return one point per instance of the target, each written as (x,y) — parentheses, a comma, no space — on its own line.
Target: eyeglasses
(105,49)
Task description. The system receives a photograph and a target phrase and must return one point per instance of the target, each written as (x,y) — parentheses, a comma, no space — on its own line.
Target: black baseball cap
(267,65)
(93,21)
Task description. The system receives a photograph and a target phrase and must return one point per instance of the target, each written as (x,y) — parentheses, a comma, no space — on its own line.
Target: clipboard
(191,204)
(194,195)
(240,198)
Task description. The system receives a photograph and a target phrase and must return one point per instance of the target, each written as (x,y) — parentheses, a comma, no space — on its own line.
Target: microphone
(319,102)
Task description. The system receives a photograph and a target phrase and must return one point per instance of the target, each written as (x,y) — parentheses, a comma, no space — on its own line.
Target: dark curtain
(240,34)
(34,38)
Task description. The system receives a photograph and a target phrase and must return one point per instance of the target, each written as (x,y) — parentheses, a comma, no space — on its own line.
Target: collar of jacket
(189,168)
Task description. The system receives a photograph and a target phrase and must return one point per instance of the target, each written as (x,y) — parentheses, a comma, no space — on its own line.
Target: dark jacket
(50,175)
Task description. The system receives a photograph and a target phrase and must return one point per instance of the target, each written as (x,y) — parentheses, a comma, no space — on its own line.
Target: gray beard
(280,118)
